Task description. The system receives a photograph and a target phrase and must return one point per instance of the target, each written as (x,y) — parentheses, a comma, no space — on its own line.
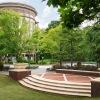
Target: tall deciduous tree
(63,43)
(93,38)
(12,32)
(53,42)
(32,42)
(9,22)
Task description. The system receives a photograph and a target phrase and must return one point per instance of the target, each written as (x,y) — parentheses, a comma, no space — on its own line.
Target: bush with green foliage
(79,64)
(32,67)
(9,62)
(85,67)
(31,62)
(20,58)
(25,61)
(56,66)
(42,62)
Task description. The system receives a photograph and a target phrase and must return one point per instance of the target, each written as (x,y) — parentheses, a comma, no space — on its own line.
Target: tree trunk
(71,62)
(60,62)
(71,53)
(0,58)
(98,64)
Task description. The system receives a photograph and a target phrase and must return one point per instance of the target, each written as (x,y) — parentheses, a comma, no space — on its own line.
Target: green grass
(48,61)
(12,90)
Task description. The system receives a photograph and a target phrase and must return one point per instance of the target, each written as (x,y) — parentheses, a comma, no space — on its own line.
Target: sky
(45,15)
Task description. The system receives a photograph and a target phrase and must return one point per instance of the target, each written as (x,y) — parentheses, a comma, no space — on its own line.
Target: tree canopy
(93,40)
(53,24)
(74,12)
(11,32)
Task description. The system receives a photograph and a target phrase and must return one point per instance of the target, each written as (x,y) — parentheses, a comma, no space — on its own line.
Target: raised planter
(20,65)
(79,72)
(18,74)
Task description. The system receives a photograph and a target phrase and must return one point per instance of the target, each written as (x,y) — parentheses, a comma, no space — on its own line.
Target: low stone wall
(19,74)
(79,72)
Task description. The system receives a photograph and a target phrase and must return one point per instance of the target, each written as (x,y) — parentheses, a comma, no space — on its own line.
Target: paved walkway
(41,69)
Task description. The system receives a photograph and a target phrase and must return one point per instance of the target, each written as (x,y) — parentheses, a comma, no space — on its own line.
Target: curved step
(58,85)
(60,82)
(53,91)
(56,88)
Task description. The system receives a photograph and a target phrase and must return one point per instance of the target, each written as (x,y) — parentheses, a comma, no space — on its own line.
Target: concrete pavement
(41,69)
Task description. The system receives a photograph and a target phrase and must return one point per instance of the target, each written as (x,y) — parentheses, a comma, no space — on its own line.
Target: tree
(53,43)
(12,32)
(53,24)
(83,51)
(9,23)
(74,12)
(32,42)
(73,44)
(62,43)
(93,38)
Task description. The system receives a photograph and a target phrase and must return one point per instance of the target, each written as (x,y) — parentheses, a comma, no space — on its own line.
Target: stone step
(58,85)
(54,91)
(60,82)
(57,88)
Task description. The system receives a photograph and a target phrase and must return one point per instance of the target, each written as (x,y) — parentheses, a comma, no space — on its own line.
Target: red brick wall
(19,75)
(95,89)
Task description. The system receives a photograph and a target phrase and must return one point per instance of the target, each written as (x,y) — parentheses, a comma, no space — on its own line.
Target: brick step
(58,85)
(53,91)
(60,82)
(56,88)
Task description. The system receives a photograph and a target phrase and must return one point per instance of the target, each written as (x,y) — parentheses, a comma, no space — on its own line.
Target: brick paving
(77,78)
(67,77)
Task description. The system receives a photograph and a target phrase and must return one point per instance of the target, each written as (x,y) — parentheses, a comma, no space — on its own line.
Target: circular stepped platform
(62,86)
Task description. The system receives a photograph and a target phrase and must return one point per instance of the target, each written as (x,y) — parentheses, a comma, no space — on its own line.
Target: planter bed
(79,72)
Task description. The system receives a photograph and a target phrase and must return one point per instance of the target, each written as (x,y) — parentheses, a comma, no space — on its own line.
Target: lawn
(12,90)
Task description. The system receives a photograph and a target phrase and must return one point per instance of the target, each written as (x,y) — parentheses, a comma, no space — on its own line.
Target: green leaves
(93,38)
(11,32)
(73,18)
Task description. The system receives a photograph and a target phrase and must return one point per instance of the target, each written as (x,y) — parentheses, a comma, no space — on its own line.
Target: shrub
(20,58)
(56,66)
(78,66)
(25,61)
(86,67)
(42,62)
(32,67)
(10,62)
(6,68)
(89,68)
(31,62)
